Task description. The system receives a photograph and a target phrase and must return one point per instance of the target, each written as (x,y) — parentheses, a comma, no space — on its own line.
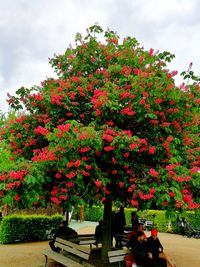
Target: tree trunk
(81,213)
(106,242)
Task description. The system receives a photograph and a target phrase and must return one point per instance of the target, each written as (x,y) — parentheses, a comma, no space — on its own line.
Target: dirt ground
(185,252)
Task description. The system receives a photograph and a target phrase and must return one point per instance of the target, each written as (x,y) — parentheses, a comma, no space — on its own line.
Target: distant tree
(112,127)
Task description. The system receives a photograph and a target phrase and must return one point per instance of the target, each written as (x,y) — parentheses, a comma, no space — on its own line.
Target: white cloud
(32,31)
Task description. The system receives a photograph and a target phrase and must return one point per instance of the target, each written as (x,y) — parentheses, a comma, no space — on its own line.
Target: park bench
(123,238)
(148,225)
(87,239)
(118,256)
(70,255)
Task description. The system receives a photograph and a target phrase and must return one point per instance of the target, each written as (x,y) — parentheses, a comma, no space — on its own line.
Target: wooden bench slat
(73,245)
(61,259)
(75,253)
(118,255)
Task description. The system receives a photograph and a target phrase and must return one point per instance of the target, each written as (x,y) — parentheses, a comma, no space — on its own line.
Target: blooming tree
(113,126)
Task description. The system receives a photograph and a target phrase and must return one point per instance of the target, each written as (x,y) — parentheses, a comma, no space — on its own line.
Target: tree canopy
(112,124)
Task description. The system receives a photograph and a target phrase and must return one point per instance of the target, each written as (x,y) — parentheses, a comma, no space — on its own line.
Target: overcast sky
(32,31)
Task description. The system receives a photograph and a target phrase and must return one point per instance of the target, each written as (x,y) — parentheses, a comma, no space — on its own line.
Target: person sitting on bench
(64,232)
(99,232)
(155,247)
(138,246)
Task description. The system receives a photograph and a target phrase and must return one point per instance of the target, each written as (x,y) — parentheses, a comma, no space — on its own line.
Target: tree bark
(106,238)
(81,213)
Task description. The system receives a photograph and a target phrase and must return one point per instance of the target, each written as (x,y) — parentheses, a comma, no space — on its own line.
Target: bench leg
(46,261)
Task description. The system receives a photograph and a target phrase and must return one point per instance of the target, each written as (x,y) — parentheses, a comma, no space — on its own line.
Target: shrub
(90,213)
(23,228)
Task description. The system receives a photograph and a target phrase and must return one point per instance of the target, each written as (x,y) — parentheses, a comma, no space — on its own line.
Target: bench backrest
(78,250)
(123,238)
(118,255)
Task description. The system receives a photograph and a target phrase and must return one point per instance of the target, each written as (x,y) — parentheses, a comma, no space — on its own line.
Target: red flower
(63,197)
(77,163)
(71,175)
(134,145)
(134,203)
(17,198)
(145,94)
(165,124)
(88,167)
(121,184)
(55,200)
(170,167)
(130,189)
(98,183)
(114,160)
(126,155)
(41,130)
(69,164)
(169,138)
(142,102)
(109,148)
(58,175)
(152,150)
(152,190)
(70,184)
(110,123)
(107,137)
(153,172)
(151,51)
(158,101)
(171,194)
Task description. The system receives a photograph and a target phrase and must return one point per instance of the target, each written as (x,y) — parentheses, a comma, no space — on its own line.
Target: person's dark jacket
(154,246)
(140,252)
(64,232)
(138,247)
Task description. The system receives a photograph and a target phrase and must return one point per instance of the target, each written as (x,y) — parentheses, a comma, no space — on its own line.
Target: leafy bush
(23,228)
(90,213)
(159,217)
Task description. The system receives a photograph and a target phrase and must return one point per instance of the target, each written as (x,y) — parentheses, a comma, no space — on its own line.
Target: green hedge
(24,228)
(159,218)
(93,214)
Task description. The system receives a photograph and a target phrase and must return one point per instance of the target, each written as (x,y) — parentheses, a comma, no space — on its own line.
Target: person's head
(154,233)
(101,222)
(121,209)
(133,214)
(64,223)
